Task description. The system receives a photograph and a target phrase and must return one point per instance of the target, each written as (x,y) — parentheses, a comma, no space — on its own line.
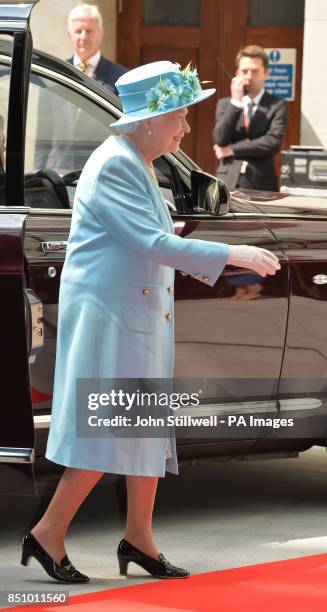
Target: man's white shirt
(246,101)
(92,63)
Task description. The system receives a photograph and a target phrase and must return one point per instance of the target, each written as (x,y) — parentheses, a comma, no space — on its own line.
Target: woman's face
(168,130)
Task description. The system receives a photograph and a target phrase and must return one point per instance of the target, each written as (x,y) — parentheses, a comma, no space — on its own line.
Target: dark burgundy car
(257,346)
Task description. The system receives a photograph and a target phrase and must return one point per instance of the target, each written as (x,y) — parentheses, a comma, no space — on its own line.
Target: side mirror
(210,194)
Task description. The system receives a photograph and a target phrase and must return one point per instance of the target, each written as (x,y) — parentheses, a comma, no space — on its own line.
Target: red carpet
(295,585)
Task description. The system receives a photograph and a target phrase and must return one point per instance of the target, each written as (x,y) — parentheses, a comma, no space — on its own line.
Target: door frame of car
(16,443)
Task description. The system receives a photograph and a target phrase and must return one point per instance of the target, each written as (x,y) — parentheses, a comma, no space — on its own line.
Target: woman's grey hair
(138,126)
(85,10)
(132,128)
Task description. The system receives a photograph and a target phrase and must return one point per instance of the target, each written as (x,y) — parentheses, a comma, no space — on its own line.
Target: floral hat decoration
(158,88)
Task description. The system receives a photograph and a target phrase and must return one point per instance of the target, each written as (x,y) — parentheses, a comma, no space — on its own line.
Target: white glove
(260,260)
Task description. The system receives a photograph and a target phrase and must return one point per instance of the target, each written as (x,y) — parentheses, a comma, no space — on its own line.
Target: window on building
(171,12)
(276,13)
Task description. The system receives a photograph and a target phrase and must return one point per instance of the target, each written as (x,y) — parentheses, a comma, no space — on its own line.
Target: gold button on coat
(146,290)
(170,289)
(168,316)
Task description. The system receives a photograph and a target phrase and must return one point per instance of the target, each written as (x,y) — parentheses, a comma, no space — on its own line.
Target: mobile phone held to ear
(245,87)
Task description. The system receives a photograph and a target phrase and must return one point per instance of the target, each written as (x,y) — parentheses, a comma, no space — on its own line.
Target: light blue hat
(158,88)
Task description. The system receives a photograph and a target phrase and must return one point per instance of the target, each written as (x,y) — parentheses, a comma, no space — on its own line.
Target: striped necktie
(83,66)
(248,114)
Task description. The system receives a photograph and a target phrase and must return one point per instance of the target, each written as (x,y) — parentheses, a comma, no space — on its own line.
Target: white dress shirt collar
(246,100)
(92,62)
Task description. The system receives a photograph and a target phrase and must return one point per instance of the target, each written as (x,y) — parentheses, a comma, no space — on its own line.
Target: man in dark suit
(250,125)
(85,30)
(62,125)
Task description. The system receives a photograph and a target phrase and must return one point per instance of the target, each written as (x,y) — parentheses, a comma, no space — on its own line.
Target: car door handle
(54,245)
(320,279)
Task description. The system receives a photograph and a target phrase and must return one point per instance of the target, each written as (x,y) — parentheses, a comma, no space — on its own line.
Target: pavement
(210,517)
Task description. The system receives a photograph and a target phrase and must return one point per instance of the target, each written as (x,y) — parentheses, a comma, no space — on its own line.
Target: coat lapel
(161,206)
(260,113)
(240,126)
(100,69)
(155,194)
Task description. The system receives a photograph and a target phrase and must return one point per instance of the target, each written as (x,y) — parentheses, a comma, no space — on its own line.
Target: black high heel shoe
(63,571)
(159,568)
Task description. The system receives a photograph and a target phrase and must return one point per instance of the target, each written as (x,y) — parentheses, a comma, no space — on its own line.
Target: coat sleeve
(269,143)
(123,204)
(227,116)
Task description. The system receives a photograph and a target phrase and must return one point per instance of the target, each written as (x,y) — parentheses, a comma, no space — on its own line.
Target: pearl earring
(149,132)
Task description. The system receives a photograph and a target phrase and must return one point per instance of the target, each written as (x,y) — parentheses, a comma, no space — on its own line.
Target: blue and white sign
(282,66)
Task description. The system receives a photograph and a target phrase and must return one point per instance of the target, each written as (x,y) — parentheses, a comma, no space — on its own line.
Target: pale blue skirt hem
(79,466)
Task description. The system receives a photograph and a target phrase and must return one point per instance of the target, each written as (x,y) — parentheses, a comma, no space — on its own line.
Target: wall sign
(282,66)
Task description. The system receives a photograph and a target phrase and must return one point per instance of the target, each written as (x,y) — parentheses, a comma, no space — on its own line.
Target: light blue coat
(121,241)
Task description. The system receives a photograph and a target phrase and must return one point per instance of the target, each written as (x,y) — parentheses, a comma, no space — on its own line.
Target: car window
(63,127)
(4,94)
(174,184)
(4,102)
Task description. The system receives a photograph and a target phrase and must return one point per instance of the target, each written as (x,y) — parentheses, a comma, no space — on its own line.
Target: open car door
(21,331)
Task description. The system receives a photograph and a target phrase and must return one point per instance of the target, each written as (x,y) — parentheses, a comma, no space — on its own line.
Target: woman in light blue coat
(116,312)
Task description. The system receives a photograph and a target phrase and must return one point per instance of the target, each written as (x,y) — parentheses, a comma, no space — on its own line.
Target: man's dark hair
(253,51)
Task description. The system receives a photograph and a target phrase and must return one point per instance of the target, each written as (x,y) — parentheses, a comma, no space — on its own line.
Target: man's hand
(237,88)
(221,152)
